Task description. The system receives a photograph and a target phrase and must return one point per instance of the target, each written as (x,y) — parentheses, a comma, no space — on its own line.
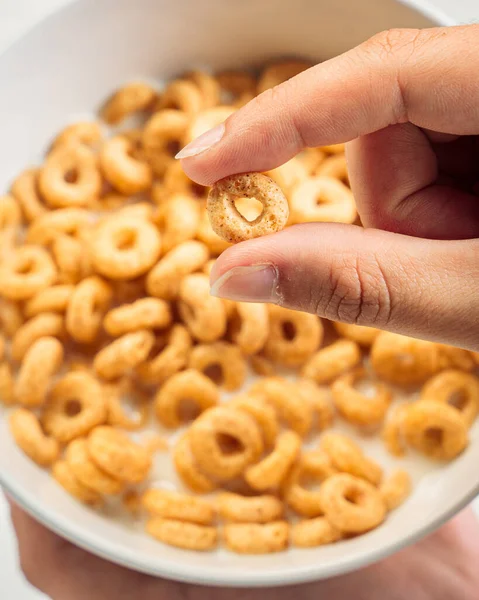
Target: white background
(17,16)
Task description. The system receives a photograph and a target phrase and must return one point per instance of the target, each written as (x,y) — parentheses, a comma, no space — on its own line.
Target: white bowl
(67,66)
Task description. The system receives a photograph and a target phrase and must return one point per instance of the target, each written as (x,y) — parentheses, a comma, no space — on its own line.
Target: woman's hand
(410,101)
(441,567)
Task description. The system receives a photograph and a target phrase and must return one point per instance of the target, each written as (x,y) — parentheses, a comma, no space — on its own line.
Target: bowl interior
(64,69)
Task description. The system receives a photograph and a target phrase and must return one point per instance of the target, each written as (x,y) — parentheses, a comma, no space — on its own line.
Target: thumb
(417,287)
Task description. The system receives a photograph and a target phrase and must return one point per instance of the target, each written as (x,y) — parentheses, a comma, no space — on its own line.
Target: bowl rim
(173,570)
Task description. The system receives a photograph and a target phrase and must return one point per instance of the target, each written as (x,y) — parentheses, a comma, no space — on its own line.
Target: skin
(409,100)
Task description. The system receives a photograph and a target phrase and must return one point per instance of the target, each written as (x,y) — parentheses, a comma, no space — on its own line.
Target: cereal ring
(319,399)
(72,259)
(10,213)
(239,87)
(312,466)
(351,504)
(208,86)
(437,430)
(391,433)
(169,355)
(117,455)
(181,217)
(258,509)
(132,98)
(87,305)
(222,362)
(310,533)
(125,247)
(294,336)
(364,336)
(87,133)
(86,471)
(137,414)
(70,177)
(162,137)
(28,270)
(348,457)
(228,222)
(262,366)
(402,360)
(41,361)
(256,538)
(210,239)
(126,174)
(334,166)
(271,471)
(145,313)
(360,408)
(70,221)
(182,95)
(25,190)
(44,324)
(11,318)
(289,174)
(203,314)
(187,468)
(164,279)
(180,507)
(455,358)
(395,489)
(75,406)
(188,536)
(292,408)
(332,361)
(54,299)
(456,388)
(206,120)
(7,384)
(279,72)
(263,413)
(176,180)
(224,441)
(63,475)
(311,158)
(28,435)
(249,326)
(322,199)
(183,397)
(123,354)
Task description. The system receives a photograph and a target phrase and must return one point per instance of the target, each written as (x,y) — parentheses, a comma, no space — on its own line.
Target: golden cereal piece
(332,361)
(239,86)
(181,218)
(256,509)
(279,72)
(209,238)
(132,98)
(10,214)
(7,385)
(63,475)
(40,363)
(87,133)
(29,437)
(25,190)
(11,317)
(227,221)
(126,173)
(222,362)
(54,299)
(262,412)
(455,358)
(166,128)
(262,366)
(182,95)
(322,199)
(174,399)
(208,86)
(118,415)
(188,536)
(187,467)
(206,120)
(75,406)
(123,354)
(319,399)
(179,507)
(255,538)
(336,167)
(42,325)
(364,336)
(86,471)
(249,326)
(351,504)
(88,303)
(395,488)
(145,313)
(72,259)
(310,533)
(391,433)
(113,452)
(69,221)
(28,270)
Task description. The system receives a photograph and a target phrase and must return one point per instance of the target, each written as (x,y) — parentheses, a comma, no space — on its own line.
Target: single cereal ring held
(262,412)
(145,313)
(395,488)
(456,388)
(269,473)
(180,507)
(123,354)
(222,362)
(187,468)
(257,509)
(28,270)
(133,97)
(29,437)
(364,336)
(117,455)
(310,533)
(249,326)
(256,538)
(125,247)
(294,336)
(224,442)
(126,174)
(63,474)
(40,363)
(359,408)
(351,504)
(332,361)
(75,406)
(54,299)
(437,430)
(227,221)
(322,199)
(87,305)
(86,471)
(24,189)
(188,536)
(44,324)
(183,397)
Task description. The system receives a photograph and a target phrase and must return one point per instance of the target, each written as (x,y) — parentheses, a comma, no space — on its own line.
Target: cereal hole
(71,176)
(434,436)
(458,399)
(289,330)
(249,208)
(126,239)
(173,147)
(73,407)
(215,373)
(188,410)
(25,267)
(353,496)
(228,444)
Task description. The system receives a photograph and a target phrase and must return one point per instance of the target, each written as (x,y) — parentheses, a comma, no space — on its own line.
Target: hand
(409,99)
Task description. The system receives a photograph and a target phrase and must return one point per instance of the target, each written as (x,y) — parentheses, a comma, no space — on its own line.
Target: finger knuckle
(395,42)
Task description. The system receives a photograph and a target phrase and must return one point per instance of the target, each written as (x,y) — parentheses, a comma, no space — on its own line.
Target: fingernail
(203,142)
(257,283)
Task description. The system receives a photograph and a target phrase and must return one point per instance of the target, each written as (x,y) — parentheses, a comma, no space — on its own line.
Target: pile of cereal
(105,251)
